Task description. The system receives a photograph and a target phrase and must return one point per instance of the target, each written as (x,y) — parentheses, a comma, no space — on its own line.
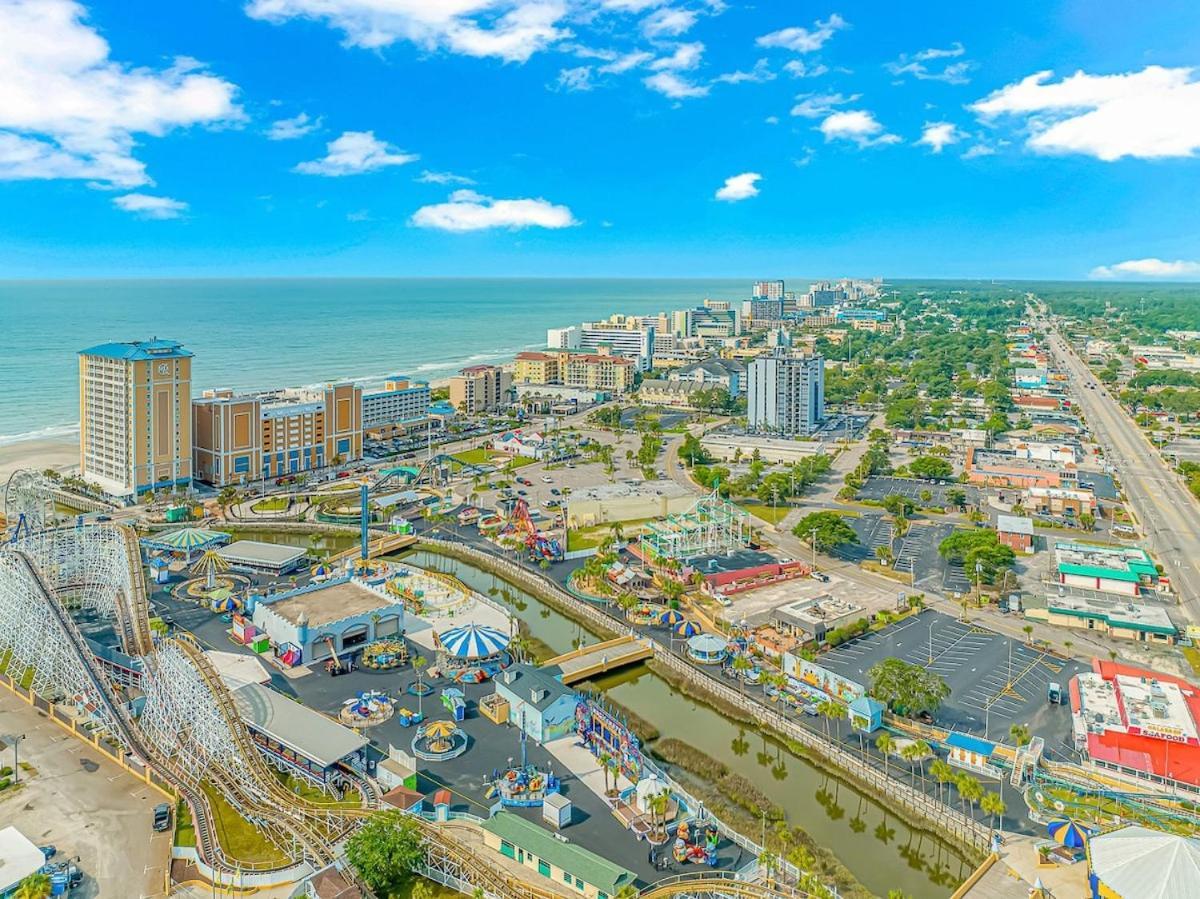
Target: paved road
(1169,515)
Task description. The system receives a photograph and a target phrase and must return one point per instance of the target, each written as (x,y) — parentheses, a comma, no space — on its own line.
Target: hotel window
(543,868)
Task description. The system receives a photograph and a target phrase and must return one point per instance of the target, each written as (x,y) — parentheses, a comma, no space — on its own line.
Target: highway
(1168,513)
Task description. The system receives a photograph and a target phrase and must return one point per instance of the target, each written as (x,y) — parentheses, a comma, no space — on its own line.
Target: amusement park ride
(520,526)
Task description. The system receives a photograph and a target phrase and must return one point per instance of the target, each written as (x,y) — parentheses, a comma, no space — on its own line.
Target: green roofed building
(570,866)
(1108,569)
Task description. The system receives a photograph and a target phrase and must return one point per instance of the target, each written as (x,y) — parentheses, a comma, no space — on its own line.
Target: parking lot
(879,488)
(994,681)
(873,530)
(84,805)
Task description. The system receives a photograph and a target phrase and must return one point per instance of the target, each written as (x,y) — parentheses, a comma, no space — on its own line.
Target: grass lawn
(240,839)
(1192,654)
(475,456)
(586,538)
(272,504)
(310,793)
(185,830)
(765,512)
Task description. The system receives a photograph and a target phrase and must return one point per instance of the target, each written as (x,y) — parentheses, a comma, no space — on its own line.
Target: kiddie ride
(702,851)
(520,525)
(368,708)
(523,785)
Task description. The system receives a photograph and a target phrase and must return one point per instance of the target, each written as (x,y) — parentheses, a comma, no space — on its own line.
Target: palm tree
(740,666)
(604,759)
(941,772)
(419,664)
(884,743)
(831,710)
(969,790)
(994,806)
(659,804)
(1028,629)
(768,861)
(918,751)
(35,886)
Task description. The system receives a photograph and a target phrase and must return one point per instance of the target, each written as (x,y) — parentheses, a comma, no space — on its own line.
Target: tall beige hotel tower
(135,413)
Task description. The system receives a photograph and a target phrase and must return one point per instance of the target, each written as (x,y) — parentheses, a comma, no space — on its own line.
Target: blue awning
(970,744)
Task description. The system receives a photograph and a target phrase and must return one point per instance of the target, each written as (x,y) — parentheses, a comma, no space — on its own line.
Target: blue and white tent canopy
(473,641)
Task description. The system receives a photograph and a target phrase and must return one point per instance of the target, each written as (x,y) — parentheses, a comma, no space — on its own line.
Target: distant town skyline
(600,138)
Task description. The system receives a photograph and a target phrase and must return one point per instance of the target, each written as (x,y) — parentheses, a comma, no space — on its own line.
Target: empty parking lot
(879,488)
(994,681)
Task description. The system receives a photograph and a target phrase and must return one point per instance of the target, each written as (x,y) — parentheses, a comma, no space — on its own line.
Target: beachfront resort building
(402,404)
(135,416)
(602,371)
(241,438)
(623,335)
(480,388)
(786,393)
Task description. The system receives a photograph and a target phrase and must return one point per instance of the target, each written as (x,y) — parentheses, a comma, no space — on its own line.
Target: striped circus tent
(473,641)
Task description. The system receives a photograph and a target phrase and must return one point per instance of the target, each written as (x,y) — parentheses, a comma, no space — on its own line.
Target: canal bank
(867,837)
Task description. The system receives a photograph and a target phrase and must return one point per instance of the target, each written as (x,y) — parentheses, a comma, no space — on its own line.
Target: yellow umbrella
(439,729)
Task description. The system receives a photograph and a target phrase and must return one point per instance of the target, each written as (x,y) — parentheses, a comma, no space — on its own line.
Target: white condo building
(785,393)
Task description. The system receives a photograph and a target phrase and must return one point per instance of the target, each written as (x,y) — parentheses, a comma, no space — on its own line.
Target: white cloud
(1180,269)
(511,30)
(1151,114)
(354,153)
(146,206)
(804,158)
(814,106)
(290,129)
(760,72)
(360,215)
(578,78)
(916,65)
(677,88)
(428,177)
(626,61)
(977,150)
(685,56)
(668,22)
(468,211)
(67,110)
(772,120)
(739,187)
(804,40)
(858,126)
(939,135)
(798,68)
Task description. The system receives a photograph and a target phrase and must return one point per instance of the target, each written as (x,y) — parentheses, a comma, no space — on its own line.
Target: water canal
(876,846)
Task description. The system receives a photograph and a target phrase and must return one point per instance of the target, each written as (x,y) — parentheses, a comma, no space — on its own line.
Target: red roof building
(1138,719)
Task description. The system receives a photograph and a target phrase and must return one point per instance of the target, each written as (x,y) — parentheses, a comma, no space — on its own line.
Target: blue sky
(599,137)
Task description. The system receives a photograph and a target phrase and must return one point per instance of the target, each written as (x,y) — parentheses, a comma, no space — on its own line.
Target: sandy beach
(60,453)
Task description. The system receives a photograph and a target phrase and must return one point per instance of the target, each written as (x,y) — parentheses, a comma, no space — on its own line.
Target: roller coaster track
(136,606)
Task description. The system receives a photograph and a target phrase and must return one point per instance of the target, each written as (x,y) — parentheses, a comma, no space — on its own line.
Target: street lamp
(14,740)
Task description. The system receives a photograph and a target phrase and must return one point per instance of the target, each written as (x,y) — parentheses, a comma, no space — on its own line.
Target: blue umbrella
(686,629)
(670,618)
(1067,833)
(473,641)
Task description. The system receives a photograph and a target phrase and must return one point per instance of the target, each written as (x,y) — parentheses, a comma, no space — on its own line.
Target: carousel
(368,708)
(472,653)
(384,655)
(439,741)
(212,585)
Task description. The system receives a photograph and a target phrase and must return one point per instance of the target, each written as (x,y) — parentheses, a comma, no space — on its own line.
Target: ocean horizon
(259,333)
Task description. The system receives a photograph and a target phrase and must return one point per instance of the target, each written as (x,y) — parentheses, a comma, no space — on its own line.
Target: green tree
(942,772)
(831,710)
(907,688)
(831,530)
(978,547)
(1019,734)
(930,467)
(970,790)
(385,851)
(994,806)
(885,743)
(899,505)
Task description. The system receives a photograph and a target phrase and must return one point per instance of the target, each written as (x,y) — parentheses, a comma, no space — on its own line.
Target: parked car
(546,479)
(162,817)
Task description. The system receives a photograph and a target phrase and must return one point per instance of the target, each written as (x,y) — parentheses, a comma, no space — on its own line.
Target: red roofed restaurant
(1139,720)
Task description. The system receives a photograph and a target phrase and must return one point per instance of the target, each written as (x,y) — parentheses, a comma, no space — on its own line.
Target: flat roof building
(480,388)
(1015,532)
(402,403)
(135,416)
(1108,569)
(242,438)
(785,393)
(1118,618)
(268,558)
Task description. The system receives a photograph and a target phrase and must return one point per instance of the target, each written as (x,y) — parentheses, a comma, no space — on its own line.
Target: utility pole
(813,536)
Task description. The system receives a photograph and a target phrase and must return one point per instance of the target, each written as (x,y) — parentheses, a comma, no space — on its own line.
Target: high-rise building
(563,338)
(762,312)
(402,404)
(624,335)
(480,388)
(602,371)
(135,416)
(241,438)
(767,290)
(785,393)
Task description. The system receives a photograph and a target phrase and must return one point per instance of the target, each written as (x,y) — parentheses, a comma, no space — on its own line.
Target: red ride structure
(520,524)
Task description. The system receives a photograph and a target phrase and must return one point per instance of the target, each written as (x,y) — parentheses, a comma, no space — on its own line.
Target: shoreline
(40,453)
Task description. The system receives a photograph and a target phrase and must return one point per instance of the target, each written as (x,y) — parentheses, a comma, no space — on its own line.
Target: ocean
(251,334)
